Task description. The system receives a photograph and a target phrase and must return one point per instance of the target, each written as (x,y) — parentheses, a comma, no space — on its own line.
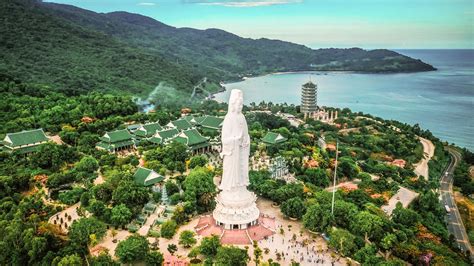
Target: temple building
(273,138)
(164,136)
(147,130)
(147,177)
(211,123)
(195,142)
(180,124)
(309,97)
(24,141)
(117,140)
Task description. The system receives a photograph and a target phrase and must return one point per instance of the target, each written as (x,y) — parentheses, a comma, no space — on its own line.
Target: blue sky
(316,23)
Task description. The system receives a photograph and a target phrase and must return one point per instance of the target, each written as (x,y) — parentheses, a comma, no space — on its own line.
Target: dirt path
(421,168)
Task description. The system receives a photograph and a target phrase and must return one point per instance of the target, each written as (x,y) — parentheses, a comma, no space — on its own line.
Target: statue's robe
(235,152)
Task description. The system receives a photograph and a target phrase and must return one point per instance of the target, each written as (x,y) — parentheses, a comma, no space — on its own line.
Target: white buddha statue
(236,207)
(235,145)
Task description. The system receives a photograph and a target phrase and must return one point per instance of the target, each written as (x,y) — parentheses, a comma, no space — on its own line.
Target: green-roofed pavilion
(273,138)
(191,119)
(193,140)
(199,119)
(163,136)
(180,124)
(116,140)
(148,130)
(147,177)
(24,141)
(212,122)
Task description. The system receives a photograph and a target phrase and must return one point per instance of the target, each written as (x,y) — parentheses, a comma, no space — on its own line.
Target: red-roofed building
(399,162)
(331,146)
(349,186)
(311,163)
(87,119)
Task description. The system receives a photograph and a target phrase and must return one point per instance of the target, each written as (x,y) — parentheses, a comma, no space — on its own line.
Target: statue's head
(236,101)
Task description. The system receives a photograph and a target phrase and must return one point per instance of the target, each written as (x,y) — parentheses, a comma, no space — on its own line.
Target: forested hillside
(82,50)
(37,46)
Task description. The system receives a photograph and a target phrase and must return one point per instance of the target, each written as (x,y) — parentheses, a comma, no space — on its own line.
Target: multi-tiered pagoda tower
(309,96)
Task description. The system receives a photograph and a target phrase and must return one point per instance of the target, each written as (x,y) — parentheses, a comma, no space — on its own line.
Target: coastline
(324,72)
(310,72)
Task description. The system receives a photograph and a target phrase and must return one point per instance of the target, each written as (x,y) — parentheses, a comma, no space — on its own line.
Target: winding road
(455,224)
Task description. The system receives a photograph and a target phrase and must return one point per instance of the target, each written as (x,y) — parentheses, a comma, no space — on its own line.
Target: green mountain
(81,50)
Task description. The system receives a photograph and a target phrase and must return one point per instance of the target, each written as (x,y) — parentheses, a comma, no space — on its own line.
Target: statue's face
(240,103)
(236,102)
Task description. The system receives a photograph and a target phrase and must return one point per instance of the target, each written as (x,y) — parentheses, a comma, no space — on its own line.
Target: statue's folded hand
(225,153)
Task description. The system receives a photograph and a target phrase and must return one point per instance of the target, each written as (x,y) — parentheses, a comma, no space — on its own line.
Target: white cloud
(146,4)
(244,3)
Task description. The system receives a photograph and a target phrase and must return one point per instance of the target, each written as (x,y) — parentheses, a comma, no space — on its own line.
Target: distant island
(80,50)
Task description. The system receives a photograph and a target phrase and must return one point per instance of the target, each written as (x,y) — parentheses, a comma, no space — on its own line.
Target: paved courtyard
(404,195)
(64,217)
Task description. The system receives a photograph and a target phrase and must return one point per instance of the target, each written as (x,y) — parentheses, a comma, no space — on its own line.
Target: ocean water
(441,101)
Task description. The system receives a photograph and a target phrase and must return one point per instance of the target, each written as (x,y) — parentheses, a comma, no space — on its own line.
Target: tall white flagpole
(334,183)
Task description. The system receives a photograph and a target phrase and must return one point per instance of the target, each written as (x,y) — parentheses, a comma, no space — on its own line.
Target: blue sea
(441,101)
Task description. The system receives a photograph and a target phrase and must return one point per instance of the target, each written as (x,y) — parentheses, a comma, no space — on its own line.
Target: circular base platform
(264,228)
(236,209)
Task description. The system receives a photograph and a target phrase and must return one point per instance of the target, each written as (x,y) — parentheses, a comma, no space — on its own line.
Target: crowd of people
(299,249)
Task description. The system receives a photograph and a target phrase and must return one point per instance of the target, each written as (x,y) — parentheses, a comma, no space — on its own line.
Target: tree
(85,197)
(368,255)
(232,256)
(200,188)
(316,176)
(428,202)
(194,252)
(209,246)
(172,248)
(121,215)
(406,217)
(197,161)
(102,260)
(317,218)
(387,243)
(131,194)
(52,156)
(132,249)
(71,260)
(347,167)
(179,214)
(186,238)
(287,191)
(344,212)
(257,254)
(82,230)
(87,164)
(171,187)
(293,207)
(98,208)
(176,151)
(175,198)
(154,258)
(343,241)
(168,229)
(367,225)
